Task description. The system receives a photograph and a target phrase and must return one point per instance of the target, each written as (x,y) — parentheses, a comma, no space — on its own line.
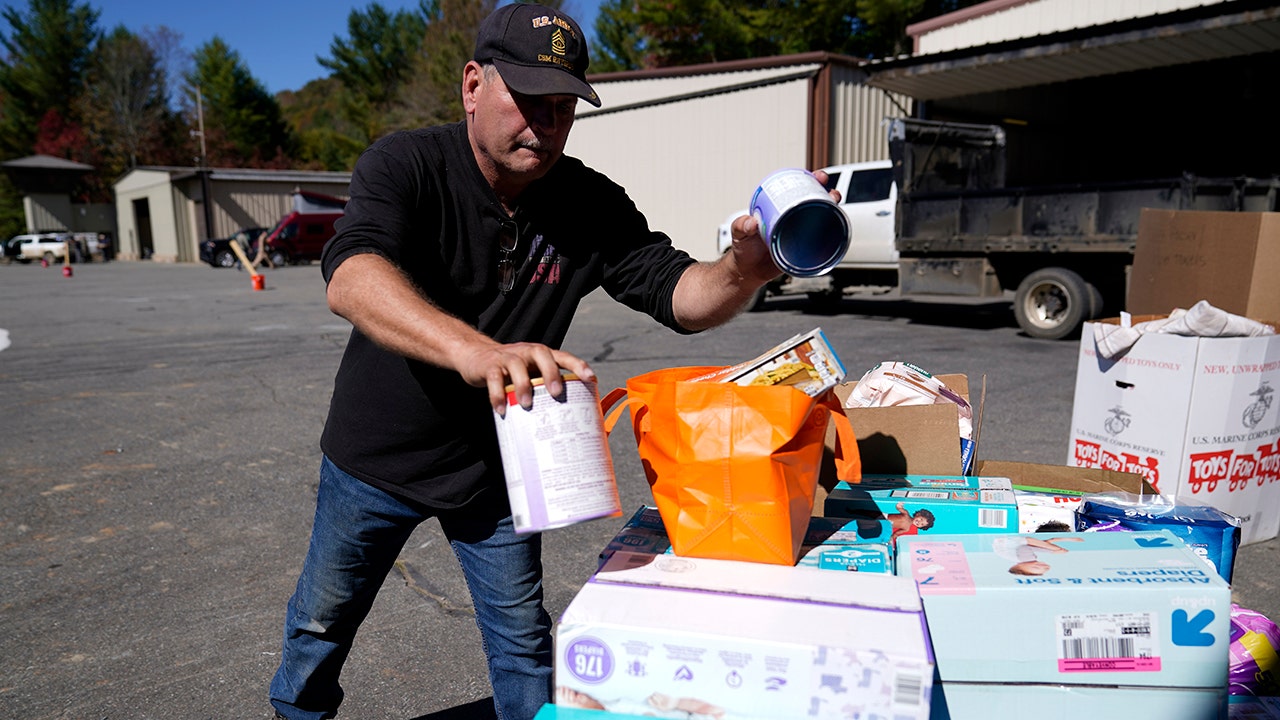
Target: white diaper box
(744,641)
(1118,625)
(1195,416)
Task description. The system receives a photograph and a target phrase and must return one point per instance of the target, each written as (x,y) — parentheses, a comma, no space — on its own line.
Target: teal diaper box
(928,504)
(1097,625)
(829,543)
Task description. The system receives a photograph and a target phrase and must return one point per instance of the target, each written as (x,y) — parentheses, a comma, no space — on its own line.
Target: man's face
(516,137)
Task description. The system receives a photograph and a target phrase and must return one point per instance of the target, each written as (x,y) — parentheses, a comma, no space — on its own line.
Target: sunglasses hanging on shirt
(508,240)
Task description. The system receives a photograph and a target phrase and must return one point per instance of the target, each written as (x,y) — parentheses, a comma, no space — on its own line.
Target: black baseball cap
(538,51)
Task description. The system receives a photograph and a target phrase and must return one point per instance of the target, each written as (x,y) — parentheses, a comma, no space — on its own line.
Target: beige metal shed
(161,213)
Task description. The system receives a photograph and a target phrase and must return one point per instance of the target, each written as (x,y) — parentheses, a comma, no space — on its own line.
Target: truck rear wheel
(1052,303)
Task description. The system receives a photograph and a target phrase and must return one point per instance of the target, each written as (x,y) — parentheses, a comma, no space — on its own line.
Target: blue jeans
(358,533)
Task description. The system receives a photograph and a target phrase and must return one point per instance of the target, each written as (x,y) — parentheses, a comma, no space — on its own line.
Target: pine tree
(243,124)
(47,52)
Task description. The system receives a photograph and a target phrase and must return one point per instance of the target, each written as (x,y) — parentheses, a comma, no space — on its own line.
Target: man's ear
(472,80)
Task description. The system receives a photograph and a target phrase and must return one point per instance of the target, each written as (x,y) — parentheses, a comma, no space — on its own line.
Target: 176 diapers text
(1205,469)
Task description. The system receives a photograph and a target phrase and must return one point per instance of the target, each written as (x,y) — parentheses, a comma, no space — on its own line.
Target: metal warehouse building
(1086,90)
(1105,90)
(691,144)
(161,213)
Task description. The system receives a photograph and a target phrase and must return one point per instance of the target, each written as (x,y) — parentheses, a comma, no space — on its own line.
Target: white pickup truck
(868,197)
(939,219)
(51,247)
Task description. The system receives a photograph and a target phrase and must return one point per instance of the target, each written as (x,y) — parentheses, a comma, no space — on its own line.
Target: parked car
(218,252)
(48,246)
(300,236)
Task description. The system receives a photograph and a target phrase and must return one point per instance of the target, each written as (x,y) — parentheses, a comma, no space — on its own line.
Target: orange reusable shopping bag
(733,469)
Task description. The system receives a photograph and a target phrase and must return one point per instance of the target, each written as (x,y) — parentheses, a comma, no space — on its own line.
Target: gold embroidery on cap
(557,42)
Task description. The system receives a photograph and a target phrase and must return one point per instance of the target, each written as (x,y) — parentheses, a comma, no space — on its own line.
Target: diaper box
(642,533)
(829,543)
(649,634)
(858,545)
(563,712)
(1121,625)
(917,504)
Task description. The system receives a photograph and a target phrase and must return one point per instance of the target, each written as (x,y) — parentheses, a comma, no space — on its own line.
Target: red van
(301,234)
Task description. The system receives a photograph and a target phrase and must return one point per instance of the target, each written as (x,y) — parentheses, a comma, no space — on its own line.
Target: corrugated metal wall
(689,164)
(1042,17)
(241,204)
(858,112)
(47,211)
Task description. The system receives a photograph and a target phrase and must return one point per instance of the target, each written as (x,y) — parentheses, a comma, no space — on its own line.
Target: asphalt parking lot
(159,431)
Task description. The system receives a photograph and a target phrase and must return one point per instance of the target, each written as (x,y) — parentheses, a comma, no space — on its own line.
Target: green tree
(47,51)
(326,138)
(619,45)
(125,103)
(432,94)
(373,62)
(242,122)
(636,34)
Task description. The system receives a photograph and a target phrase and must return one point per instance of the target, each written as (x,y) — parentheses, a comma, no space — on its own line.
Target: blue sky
(277,39)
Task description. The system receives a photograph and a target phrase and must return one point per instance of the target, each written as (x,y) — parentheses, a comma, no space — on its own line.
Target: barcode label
(1108,642)
(992,517)
(921,494)
(1080,648)
(907,689)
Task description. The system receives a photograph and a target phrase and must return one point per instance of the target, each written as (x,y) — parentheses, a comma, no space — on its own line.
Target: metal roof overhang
(1236,29)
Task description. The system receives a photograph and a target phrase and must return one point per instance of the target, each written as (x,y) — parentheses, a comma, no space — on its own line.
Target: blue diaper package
(1209,532)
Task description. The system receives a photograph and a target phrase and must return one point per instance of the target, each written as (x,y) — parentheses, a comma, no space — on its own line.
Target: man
(464,251)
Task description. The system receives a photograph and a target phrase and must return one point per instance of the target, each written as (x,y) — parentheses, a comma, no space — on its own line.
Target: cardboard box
(1230,259)
(1051,493)
(755,640)
(914,439)
(829,543)
(1192,415)
(1122,624)
(950,504)
(1064,478)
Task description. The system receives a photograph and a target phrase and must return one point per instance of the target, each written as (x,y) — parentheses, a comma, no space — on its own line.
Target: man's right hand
(496,366)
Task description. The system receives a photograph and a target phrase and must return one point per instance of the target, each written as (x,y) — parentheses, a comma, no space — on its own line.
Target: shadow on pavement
(479,710)
(973,314)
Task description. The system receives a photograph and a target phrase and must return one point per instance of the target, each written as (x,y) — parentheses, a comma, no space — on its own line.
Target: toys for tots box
(1073,625)
(1195,416)
(672,636)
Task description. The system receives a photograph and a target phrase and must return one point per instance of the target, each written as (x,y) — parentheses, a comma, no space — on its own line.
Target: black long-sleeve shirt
(418,198)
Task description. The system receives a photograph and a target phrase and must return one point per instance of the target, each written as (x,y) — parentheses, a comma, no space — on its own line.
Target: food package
(805,361)
(890,384)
